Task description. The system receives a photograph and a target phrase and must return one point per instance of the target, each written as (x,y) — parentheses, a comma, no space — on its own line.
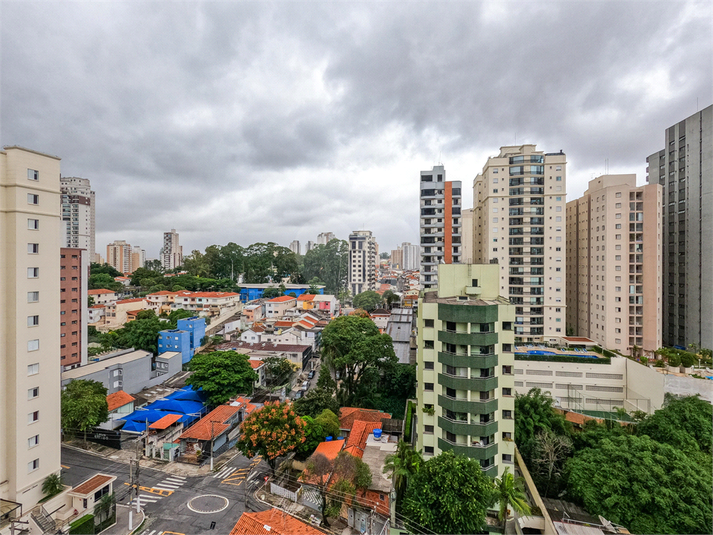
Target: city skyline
(200,135)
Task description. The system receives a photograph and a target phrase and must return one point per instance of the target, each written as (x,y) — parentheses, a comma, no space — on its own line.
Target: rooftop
(92,485)
(129,356)
(282,299)
(263,346)
(119,399)
(349,415)
(272,522)
(211,425)
(100,292)
(432,297)
(166,421)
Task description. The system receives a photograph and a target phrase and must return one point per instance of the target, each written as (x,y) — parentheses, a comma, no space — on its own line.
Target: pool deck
(566,351)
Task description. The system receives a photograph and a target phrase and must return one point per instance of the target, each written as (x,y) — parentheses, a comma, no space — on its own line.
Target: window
(33,272)
(33,465)
(33,224)
(428,344)
(428,323)
(617,226)
(559,179)
(507,435)
(507,458)
(428,429)
(33,417)
(33,441)
(33,199)
(428,450)
(32,174)
(507,370)
(507,415)
(618,195)
(428,365)
(428,387)
(33,345)
(507,391)
(33,248)
(33,321)
(33,369)
(32,393)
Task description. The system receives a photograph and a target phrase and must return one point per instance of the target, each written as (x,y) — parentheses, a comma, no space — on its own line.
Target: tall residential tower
(78,214)
(519,223)
(362,261)
(30,222)
(171,252)
(440,223)
(614,264)
(684,168)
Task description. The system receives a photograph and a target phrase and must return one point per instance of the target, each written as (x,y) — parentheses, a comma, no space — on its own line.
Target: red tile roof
(256,363)
(272,522)
(578,339)
(284,323)
(211,425)
(100,292)
(358,436)
(306,297)
(330,449)
(98,306)
(281,299)
(119,399)
(349,415)
(166,421)
(162,292)
(186,293)
(92,485)
(125,301)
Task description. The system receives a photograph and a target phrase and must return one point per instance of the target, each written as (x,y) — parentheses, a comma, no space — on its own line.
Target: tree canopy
(317,400)
(317,430)
(368,300)
(401,466)
(449,494)
(271,431)
(645,485)
(328,263)
(84,406)
(96,269)
(222,375)
(352,346)
(104,281)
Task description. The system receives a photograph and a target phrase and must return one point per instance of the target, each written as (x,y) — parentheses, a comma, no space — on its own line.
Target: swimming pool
(539,352)
(551,354)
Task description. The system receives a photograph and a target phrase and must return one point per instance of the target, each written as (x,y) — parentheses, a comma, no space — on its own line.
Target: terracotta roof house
(218,430)
(359,434)
(272,522)
(120,404)
(349,415)
(87,494)
(119,399)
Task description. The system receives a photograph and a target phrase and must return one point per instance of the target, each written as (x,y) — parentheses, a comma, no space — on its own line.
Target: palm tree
(52,485)
(403,464)
(510,491)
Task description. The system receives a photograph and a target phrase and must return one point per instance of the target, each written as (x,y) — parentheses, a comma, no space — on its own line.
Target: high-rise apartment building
(466,382)
(295,246)
(118,255)
(323,238)
(684,168)
(362,261)
(74,315)
(411,256)
(30,222)
(440,224)
(397,258)
(519,223)
(138,258)
(309,246)
(171,252)
(614,258)
(78,214)
(467,230)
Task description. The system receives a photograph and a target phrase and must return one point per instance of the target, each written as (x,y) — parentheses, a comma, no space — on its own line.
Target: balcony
(480,384)
(476,361)
(464,428)
(474,452)
(468,339)
(463,405)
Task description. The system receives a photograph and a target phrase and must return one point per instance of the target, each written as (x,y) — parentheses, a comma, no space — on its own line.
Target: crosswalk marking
(166,486)
(180,481)
(224,472)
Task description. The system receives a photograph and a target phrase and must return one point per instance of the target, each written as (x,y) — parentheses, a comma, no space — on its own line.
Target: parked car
(310,375)
(298,394)
(305,385)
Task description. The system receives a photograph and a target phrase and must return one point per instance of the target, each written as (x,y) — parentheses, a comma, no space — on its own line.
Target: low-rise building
(161,438)
(206,303)
(86,495)
(161,302)
(118,313)
(272,522)
(276,308)
(120,404)
(95,314)
(380,317)
(298,355)
(102,296)
(129,370)
(400,329)
(252,313)
(251,292)
(216,432)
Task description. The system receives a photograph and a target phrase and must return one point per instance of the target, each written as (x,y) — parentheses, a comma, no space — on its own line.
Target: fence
(285,493)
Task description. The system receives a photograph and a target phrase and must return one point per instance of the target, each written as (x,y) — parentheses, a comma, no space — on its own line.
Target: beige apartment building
(519,202)
(118,255)
(614,264)
(29,325)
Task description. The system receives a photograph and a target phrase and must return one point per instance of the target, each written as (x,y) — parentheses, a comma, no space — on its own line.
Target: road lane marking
(65,467)
(154,490)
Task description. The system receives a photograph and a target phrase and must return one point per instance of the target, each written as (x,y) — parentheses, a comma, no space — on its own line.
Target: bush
(644,361)
(674,360)
(659,364)
(687,360)
(83,526)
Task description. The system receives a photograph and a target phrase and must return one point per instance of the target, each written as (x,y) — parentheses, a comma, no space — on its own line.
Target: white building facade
(78,214)
(171,252)
(362,261)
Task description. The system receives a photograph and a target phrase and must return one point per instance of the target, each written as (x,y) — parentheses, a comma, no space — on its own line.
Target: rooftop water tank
(328,439)
(377,433)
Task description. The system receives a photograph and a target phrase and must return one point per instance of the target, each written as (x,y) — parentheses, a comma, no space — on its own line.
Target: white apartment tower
(325,237)
(78,214)
(30,222)
(118,255)
(172,252)
(295,246)
(410,256)
(362,261)
(519,207)
(440,224)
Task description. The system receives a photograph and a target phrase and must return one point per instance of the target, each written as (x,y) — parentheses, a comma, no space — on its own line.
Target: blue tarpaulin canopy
(191,410)
(188,394)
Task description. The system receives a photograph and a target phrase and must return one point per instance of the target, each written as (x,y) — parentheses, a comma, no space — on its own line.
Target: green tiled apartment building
(466,395)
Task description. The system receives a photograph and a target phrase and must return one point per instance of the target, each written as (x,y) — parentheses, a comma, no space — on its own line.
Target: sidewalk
(122,521)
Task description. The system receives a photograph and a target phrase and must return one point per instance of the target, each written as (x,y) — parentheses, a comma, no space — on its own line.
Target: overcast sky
(264,121)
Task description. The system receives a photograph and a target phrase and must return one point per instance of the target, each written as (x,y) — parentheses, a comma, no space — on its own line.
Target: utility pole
(211,445)
(131,492)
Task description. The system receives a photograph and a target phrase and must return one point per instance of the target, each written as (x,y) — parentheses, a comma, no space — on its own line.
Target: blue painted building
(176,340)
(183,340)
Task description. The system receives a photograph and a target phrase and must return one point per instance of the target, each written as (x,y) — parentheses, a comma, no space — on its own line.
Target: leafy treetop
(222,375)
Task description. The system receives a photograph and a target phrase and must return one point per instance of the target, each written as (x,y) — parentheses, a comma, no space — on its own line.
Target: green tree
(222,375)
(685,423)
(271,293)
(328,263)
(550,452)
(278,370)
(318,471)
(154,265)
(351,474)
(401,467)
(449,494)
(368,300)
(316,431)
(352,346)
(142,333)
(510,491)
(179,314)
(271,431)
(52,485)
(317,400)
(95,268)
(84,406)
(325,379)
(647,486)
(390,298)
(104,281)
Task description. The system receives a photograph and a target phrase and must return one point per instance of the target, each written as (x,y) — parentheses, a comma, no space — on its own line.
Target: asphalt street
(176,504)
